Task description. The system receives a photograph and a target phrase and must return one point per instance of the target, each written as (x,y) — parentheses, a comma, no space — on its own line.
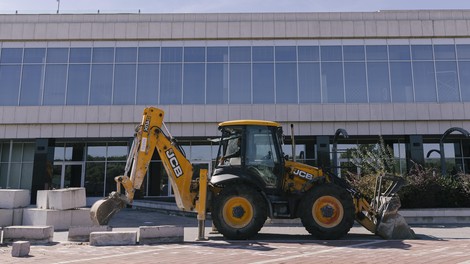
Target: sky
(221,6)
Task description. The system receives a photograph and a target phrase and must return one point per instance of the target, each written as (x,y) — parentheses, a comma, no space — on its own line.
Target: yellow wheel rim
(237,212)
(327,211)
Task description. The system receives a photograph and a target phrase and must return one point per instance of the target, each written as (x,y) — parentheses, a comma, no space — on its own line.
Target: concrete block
(14,198)
(17,216)
(59,219)
(6,217)
(34,234)
(42,199)
(113,238)
(82,233)
(20,249)
(64,199)
(161,234)
(81,217)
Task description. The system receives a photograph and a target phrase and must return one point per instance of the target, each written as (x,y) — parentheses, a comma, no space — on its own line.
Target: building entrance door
(68,174)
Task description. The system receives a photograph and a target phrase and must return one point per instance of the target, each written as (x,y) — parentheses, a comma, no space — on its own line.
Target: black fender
(231,179)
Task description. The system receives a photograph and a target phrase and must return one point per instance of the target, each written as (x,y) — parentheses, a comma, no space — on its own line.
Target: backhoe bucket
(103,210)
(392,225)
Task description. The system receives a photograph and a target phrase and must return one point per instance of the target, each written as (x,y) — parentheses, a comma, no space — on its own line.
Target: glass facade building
(277,74)
(74,86)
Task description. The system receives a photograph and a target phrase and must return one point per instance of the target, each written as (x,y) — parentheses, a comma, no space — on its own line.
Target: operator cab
(251,150)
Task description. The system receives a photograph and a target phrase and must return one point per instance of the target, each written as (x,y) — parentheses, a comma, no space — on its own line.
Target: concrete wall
(202,120)
(400,24)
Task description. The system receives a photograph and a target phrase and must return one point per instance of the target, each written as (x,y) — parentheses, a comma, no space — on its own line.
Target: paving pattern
(275,244)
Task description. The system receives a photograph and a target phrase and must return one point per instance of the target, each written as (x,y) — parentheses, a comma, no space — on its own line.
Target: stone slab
(42,201)
(59,219)
(81,217)
(82,233)
(113,238)
(34,234)
(6,217)
(64,199)
(161,234)
(14,198)
(20,249)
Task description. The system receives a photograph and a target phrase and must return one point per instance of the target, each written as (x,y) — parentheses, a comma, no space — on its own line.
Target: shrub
(428,189)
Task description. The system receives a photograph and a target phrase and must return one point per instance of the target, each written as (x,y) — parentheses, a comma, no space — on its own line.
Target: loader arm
(149,137)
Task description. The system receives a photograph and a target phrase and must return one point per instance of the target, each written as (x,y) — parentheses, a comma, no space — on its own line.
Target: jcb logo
(174,163)
(303,174)
(147,124)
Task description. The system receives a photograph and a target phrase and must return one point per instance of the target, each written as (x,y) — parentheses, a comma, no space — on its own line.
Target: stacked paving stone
(61,208)
(12,202)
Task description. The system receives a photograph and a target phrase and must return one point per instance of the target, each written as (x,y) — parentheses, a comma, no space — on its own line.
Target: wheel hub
(327,211)
(238,212)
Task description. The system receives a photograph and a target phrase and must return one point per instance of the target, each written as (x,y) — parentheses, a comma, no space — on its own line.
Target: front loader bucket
(392,225)
(103,210)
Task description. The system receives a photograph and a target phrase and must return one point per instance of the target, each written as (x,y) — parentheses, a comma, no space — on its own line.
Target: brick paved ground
(275,244)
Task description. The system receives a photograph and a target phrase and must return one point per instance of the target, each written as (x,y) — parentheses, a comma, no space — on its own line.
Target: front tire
(239,212)
(327,211)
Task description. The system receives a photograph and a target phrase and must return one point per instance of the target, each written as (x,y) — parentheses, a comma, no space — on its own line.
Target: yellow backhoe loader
(252,181)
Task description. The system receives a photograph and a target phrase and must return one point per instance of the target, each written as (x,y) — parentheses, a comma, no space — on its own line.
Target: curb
(433,216)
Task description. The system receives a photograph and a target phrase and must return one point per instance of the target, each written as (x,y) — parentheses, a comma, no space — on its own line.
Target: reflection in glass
(78,84)
(355,82)
(399,52)
(217,83)
(10,80)
(444,52)
(263,53)
(354,53)
(240,83)
(103,55)
(55,83)
(128,55)
(309,82)
(57,55)
(376,53)
(101,84)
(331,53)
(421,52)
(94,179)
(124,84)
(34,55)
(217,54)
(378,82)
(240,54)
(31,84)
(424,81)
(263,83)
(147,84)
(172,54)
(447,81)
(194,54)
(401,82)
(194,83)
(286,83)
(308,53)
(11,55)
(332,82)
(149,54)
(464,74)
(171,83)
(286,53)
(80,55)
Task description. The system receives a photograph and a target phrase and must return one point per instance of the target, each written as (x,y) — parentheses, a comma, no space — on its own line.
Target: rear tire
(239,212)
(327,211)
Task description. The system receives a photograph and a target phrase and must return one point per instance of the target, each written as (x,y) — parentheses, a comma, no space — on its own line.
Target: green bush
(428,189)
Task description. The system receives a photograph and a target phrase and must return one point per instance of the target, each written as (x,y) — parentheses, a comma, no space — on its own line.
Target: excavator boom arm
(149,137)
